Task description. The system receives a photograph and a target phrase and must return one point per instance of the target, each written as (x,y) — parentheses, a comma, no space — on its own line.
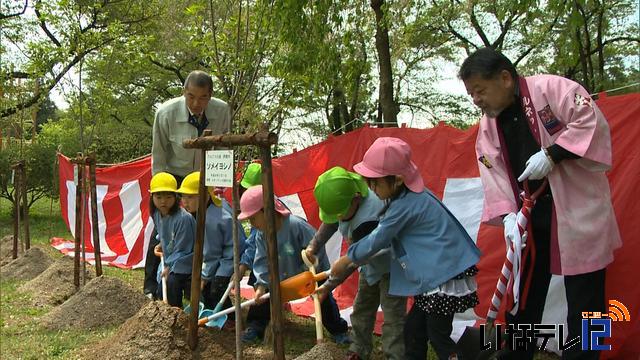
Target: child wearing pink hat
(433,257)
(293,234)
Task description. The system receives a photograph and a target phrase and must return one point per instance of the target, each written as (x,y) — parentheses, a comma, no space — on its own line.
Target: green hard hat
(252,176)
(334,192)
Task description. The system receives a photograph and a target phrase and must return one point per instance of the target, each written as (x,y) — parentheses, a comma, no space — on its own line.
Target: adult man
(176,120)
(186,117)
(532,128)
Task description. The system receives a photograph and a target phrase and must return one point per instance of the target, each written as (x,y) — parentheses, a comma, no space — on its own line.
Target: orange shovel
(295,287)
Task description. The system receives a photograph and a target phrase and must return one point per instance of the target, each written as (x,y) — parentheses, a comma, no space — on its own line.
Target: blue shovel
(218,322)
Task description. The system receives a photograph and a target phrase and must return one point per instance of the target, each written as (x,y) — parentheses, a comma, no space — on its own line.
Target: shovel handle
(322,276)
(205,320)
(226,294)
(165,296)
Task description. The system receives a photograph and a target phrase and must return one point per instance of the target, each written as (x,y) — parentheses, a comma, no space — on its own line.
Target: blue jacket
(249,252)
(428,244)
(368,211)
(217,251)
(293,236)
(250,245)
(177,235)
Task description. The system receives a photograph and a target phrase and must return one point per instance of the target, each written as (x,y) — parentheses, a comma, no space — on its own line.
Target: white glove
(538,166)
(510,228)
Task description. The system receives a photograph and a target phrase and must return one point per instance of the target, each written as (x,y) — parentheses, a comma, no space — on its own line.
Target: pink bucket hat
(251,202)
(390,156)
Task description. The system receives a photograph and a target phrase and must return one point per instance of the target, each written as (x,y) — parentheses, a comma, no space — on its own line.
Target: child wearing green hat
(347,205)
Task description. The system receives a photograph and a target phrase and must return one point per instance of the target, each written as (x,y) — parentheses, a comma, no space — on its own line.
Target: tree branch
(476,26)
(43,25)
(36,97)
(20,75)
(7,16)
(169,68)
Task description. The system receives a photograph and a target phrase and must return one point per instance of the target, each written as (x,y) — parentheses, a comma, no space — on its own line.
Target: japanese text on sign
(219,168)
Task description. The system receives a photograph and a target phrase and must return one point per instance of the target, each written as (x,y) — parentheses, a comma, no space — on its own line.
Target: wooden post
(235,207)
(78,233)
(94,213)
(17,198)
(25,206)
(264,139)
(196,268)
(272,253)
(83,214)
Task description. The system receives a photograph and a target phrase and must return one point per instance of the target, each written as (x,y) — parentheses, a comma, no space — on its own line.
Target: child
(293,235)
(343,197)
(217,252)
(433,256)
(176,230)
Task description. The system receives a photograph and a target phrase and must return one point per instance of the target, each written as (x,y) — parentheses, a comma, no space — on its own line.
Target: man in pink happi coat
(532,128)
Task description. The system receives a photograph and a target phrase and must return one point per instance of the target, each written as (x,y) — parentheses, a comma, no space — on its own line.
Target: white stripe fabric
(130,197)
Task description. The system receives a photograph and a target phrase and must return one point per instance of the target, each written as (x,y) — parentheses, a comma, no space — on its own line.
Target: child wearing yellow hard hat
(217,251)
(176,231)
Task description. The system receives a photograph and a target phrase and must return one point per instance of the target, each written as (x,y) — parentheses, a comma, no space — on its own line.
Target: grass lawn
(22,336)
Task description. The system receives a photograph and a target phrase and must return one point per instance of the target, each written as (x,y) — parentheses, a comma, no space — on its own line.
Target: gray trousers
(365,308)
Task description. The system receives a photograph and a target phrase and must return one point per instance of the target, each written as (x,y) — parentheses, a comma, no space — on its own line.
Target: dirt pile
(324,351)
(159,331)
(54,285)
(104,301)
(26,267)
(6,250)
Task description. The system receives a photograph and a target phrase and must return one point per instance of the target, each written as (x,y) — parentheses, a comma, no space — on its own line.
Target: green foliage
(39,161)
(296,65)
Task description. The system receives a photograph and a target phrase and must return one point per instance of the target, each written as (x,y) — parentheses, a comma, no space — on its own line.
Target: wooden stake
(264,139)
(91,159)
(78,233)
(83,214)
(272,251)
(25,207)
(235,210)
(196,268)
(17,199)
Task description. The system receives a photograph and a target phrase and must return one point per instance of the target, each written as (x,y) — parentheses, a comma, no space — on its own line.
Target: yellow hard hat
(191,184)
(162,182)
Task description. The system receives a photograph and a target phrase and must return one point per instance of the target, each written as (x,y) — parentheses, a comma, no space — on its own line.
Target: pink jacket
(567,116)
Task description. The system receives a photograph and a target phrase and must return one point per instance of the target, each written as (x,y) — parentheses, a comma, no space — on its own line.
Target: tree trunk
(385,97)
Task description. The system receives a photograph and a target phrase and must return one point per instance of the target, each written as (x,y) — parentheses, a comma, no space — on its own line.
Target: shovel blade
(217,322)
(300,286)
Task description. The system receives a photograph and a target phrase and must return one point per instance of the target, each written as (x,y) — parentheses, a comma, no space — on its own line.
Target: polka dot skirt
(442,304)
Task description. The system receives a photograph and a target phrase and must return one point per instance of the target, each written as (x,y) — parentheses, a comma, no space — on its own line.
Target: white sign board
(219,168)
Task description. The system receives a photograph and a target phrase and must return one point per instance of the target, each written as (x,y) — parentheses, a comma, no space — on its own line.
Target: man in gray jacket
(178,119)
(186,117)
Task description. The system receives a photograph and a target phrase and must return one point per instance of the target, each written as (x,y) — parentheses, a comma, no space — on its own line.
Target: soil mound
(54,285)
(324,351)
(28,266)
(159,331)
(6,250)
(104,301)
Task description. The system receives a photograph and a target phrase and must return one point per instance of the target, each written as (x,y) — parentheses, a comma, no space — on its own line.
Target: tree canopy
(322,66)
